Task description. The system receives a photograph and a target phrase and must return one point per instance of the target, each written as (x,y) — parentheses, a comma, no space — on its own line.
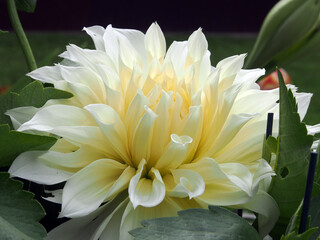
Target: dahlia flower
(149,132)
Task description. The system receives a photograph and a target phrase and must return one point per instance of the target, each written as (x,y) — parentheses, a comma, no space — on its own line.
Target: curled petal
(147,192)
(224,184)
(268,211)
(183,183)
(175,153)
(96,33)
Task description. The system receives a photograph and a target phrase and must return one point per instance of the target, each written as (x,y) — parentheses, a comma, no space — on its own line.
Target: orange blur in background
(271,81)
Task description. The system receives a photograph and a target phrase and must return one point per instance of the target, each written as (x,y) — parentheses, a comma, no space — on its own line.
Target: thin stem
(23,41)
(308,192)
(269,125)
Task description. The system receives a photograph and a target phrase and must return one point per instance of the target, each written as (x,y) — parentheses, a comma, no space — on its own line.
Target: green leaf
(287,24)
(314,212)
(316,181)
(26,5)
(19,212)
(291,166)
(313,225)
(269,147)
(3,32)
(34,94)
(303,236)
(294,223)
(12,143)
(193,224)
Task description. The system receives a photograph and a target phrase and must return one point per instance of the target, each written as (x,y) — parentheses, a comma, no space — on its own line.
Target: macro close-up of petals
(149,132)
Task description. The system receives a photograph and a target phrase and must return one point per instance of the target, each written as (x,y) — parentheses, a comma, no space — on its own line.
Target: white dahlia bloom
(148,133)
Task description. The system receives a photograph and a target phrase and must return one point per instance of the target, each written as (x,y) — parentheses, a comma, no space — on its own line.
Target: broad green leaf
(12,143)
(291,166)
(34,94)
(26,5)
(19,212)
(193,224)
(20,84)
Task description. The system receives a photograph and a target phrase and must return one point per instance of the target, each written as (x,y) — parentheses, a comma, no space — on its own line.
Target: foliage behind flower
(149,132)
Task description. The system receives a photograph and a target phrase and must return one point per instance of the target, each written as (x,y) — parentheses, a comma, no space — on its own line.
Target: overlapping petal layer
(149,132)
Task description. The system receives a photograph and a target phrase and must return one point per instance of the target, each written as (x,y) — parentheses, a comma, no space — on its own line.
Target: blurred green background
(305,73)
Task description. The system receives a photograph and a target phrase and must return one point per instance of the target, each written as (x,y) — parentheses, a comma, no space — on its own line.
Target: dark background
(240,16)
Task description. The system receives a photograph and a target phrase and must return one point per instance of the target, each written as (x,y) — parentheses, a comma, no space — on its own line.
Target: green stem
(23,41)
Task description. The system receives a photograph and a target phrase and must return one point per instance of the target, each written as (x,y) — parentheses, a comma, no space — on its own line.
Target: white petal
(231,65)
(96,33)
(312,130)
(83,94)
(135,111)
(21,115)
(239,175)
(246,146)
(135,40)
(219,189)
(248,77)
(315,145)
(191,126)
(161,131)
(197,45)
(184,183)
(146,192)
(229,131)
(46,74)
(87,57)
(86,77)
(303,101)
(131,52)
(87,227)
(132,216)
(56,196)
(255,101)
(71,161)
(155,42)
(111,45)
(89,135)
(28,165)
(96,181)
(58,115)
(112,128)
(177,55)
(268,211)
(141,142)
(174,154)
(110,228)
